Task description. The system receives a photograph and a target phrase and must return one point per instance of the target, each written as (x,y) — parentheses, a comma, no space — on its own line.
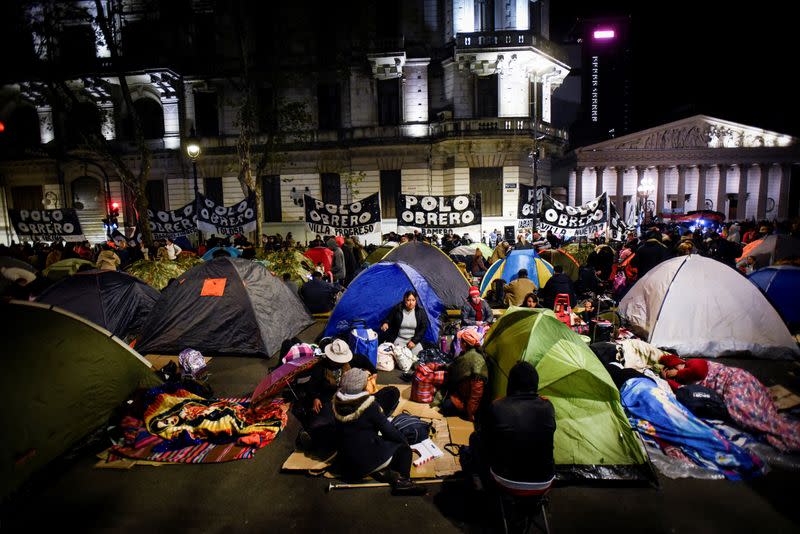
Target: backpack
(703,402)
(412,427)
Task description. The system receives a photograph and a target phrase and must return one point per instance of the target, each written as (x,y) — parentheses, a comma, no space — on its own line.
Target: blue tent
(373,293)
(781,285)
(233,251)
(539,271)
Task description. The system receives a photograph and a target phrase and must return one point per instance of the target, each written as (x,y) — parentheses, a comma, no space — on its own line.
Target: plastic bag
(403,357)
(192,362)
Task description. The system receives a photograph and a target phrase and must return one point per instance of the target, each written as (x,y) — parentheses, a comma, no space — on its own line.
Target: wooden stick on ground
(344,485)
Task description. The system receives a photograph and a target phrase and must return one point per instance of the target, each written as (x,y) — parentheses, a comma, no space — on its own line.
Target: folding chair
(532,503)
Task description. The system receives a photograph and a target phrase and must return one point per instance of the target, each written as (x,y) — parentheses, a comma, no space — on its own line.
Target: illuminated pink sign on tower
(604,34)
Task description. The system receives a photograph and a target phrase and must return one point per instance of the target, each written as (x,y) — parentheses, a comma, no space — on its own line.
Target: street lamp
(193,151)
(645,189)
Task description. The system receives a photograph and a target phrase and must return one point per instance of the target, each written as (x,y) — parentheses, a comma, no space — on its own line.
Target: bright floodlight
(604,34)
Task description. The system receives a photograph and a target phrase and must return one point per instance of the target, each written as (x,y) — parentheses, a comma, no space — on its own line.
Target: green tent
(62,377)
(62,269)
(593,436)
(377,255)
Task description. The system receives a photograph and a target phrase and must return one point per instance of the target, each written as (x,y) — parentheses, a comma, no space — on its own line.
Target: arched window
(151,117)
(22,129)
(82,120)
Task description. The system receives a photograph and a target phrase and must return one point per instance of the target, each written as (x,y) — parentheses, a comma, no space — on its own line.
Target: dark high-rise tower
(606,72)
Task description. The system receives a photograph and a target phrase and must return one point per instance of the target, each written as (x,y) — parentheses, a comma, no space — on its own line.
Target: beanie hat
(670,360)
(354,381)
(474,291)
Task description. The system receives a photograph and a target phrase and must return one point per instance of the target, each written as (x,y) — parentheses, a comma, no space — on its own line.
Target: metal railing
(509,39)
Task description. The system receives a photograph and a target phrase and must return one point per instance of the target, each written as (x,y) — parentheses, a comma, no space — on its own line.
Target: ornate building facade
(428,97)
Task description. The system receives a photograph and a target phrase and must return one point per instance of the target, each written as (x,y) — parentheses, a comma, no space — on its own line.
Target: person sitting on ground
(515,443)
(748,401)
(317,415)
(367,443)
(319,296)
(107,260)
(478,265)
(466,378)
(559,283)
(406,323)
(517,289)
(530,301)
(476,311)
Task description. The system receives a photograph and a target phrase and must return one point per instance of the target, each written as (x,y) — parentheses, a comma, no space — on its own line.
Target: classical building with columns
(696,163)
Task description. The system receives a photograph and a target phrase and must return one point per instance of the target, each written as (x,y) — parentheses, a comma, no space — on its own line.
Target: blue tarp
(510,266)
(233,251)
(656,412)
(781,285)
(376,290)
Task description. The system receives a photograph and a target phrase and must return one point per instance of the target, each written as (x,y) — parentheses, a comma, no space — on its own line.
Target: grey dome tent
(438,269)
(117,301)
(224,306)
(63,377)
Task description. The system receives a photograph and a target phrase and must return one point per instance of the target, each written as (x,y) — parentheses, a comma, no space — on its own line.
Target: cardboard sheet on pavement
(783,398)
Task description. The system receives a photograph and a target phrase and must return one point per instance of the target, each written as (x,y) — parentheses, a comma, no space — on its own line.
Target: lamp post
(193,151)
(645,189)
(534,157)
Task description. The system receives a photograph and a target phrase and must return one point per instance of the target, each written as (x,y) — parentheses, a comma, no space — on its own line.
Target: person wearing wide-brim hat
(317,416)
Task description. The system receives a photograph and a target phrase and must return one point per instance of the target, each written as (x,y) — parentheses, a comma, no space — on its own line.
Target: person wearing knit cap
(515,443)
(366,441)
(476,311)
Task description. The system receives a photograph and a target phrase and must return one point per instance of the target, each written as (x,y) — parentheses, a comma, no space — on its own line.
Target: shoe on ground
(304,441)
(405,487)
(387,475)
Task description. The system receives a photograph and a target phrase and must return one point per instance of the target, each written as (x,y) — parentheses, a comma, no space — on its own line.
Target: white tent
(699,306)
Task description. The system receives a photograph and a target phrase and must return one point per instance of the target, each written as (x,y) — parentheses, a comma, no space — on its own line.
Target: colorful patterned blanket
(182,427)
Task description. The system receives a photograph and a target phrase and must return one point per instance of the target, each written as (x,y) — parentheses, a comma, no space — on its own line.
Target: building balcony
(408,133)
(509,39)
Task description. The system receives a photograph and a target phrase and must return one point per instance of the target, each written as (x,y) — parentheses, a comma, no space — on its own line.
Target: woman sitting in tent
(406,323)
(747,400)
(530,301)
(478,265)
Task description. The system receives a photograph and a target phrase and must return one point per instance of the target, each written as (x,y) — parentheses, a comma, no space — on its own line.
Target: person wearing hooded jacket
(367,442)
(338,268)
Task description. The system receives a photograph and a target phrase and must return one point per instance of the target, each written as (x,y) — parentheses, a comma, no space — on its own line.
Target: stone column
(660,187)
(741,210)
(722,188)
(682,188)
(783,196)
(46,133)
(598,174)
(620,196)
(172,130)
(640,170)
(107,128)
(578,186)
(702,170)
(763,180)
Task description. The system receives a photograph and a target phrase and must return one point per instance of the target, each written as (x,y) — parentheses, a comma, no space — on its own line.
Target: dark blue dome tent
(781,285)
(119,302)
(375,291)
(224,306)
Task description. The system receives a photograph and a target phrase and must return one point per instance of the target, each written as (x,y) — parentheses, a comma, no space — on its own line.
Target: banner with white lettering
(573,221)
(439,214)
(47,225)
(358,218)
(525,205)
(172,224)
(237,219)
(617,228)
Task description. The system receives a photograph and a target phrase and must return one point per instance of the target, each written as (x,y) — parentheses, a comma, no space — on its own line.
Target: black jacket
(650,254)
(394,319)
(360,449)
(518,432)
(319,296)
(319,387)
(559,283)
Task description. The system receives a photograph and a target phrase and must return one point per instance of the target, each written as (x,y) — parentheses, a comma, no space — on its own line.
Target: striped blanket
(180,427)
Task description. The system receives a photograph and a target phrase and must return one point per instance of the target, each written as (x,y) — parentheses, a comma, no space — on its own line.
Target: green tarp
(61,377)
(592,429)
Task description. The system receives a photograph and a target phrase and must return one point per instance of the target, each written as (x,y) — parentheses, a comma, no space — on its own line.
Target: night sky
(729,62)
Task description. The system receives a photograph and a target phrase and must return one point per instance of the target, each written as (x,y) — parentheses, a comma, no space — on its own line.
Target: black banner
(172,224)
(573,221)
(358,218)
(433,212)
(525,205)
(47,225)
(616,225)
(237,219)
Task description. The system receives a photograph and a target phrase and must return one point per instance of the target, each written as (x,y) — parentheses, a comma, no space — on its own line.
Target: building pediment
(696,132)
